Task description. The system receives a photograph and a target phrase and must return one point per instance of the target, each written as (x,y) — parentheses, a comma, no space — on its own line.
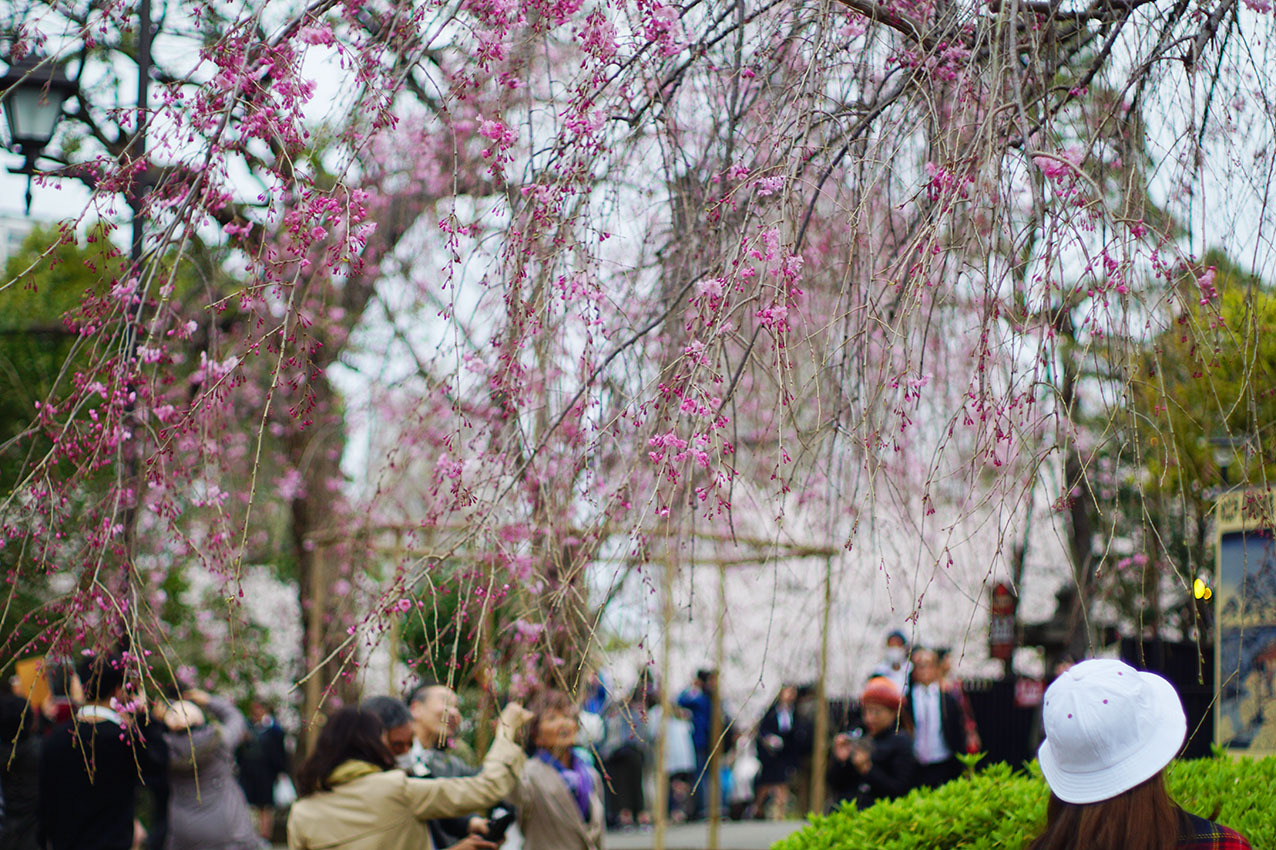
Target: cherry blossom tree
(622,276)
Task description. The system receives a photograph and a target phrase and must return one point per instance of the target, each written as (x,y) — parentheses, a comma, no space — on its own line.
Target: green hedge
(998,807)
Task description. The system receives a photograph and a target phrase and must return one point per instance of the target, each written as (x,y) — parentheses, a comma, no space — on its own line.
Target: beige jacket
(386,810)
(548,816)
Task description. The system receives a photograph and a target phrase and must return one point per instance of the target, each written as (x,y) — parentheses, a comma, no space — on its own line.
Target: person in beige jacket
(352,799)
(560,798)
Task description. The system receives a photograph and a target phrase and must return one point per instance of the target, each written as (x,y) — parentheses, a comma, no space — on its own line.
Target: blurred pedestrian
(353,798)
(90,805)
(262,758)
(680,756)
(560,798)
(625,751)
(207,807)
(397,733)
(697,699)
(782,740)
(1110,732)
(952,685)
(877,762)
(744,771)
(939,728)
(20,727)
(895,664)
(596,695)
(396,728)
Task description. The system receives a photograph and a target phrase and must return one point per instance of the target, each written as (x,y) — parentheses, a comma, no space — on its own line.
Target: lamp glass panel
(32,114)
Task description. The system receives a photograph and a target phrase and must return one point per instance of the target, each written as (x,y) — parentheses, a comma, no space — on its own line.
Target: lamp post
(34,91)
(1225,448)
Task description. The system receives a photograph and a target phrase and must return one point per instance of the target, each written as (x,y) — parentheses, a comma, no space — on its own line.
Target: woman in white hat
(1110,732)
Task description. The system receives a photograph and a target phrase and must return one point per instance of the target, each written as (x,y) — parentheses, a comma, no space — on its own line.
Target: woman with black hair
(353,798)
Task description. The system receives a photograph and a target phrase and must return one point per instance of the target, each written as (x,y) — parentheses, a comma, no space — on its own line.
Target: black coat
(951,719)
(261,757)
(79,811)
(893,771)
(779,764)
(19,774)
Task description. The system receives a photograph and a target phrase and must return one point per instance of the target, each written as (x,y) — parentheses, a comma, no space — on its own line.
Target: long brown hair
(350,733)
(1143,818)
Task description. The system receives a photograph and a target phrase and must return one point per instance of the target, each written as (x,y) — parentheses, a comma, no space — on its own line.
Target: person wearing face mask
(560,797)
(396,720)
(351,796)
(895,664)
(465,831)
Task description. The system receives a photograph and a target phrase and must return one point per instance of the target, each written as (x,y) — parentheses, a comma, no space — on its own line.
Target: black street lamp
(34,91)
(1226,447)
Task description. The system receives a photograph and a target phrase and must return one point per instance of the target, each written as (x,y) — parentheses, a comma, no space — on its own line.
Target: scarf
(350,770)
(101,712)
(577,777)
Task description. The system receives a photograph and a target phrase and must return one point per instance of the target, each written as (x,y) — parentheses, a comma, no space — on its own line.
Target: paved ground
(745,835)
(733,835)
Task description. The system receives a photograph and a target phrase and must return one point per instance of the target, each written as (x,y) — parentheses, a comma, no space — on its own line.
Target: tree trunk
(1080,501)
(316,454)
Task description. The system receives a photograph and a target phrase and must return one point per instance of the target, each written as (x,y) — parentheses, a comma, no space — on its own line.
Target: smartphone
(497,824)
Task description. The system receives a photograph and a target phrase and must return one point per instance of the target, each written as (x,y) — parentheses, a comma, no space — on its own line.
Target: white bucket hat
(1108,728)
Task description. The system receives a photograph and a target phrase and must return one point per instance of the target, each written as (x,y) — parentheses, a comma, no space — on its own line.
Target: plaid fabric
(1201,834)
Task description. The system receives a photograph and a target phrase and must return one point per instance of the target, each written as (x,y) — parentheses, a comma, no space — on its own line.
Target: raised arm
(234,727)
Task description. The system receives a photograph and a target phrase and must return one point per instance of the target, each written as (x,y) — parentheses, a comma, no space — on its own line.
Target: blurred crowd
(906,729)
(91,765)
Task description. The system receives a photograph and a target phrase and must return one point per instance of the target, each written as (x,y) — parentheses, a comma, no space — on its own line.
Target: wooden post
(660,813)
(396,638)
(313,693)
(715,722)
(487,622)
(396,624)
(819,751)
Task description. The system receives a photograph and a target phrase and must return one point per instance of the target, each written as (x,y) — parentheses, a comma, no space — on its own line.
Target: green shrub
(1001,808)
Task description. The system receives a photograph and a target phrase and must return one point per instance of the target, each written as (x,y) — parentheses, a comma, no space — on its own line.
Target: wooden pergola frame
(760,552)
(717,733)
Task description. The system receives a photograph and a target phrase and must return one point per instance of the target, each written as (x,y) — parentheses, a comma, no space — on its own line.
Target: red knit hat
(881,691)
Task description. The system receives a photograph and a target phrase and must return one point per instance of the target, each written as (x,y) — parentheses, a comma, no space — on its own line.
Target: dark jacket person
(881,765)
(19,772)
(939,725)
(92,767)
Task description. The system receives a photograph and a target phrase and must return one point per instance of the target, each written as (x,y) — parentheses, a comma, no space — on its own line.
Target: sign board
(32,681)
(1001,621)
(1245,622)
(1029,693)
